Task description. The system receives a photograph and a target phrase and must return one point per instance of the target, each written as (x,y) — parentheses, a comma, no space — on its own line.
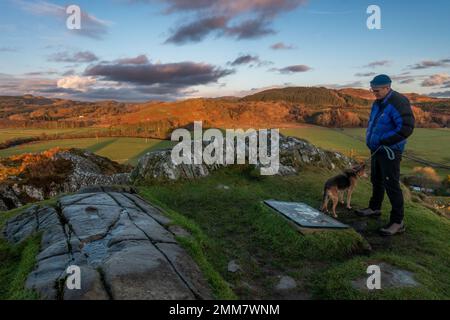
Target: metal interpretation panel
(304,215)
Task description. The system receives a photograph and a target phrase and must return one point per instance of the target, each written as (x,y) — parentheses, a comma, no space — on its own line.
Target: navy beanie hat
(380,80)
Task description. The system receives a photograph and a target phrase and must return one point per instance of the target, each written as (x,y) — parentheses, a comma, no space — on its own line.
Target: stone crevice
(123,249)
(146,211)
(197,296)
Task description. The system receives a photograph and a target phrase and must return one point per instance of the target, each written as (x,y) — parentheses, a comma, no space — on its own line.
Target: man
(391,122)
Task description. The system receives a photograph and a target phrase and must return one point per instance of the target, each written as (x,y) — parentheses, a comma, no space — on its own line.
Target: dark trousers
(385,176)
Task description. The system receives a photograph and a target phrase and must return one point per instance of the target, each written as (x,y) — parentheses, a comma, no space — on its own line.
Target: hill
(29,110)
(309,96)
(285,107)
(246,250)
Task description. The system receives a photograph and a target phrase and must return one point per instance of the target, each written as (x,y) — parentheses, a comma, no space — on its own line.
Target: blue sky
(138,50)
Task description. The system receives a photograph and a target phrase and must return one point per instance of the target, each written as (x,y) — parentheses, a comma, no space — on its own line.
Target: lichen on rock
(35,177)
(157,166)
(122,245)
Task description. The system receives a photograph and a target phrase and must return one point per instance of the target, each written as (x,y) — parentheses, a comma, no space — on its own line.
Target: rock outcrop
(122,245)
(35,177)
(294,155)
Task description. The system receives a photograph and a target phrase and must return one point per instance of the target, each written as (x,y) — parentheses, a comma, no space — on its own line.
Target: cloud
(8,49)
(69,72)
(441,94)
(243,93)
(244,59)
(402,78)
(197,30)
(282,46)
(375,64)
(12,85)
(292,69)
(239,19)
(436,80)
(368,74)
(76,83)
(81,89)
(76,57)
(125,79)
(355,84)
(177,74)
(406,77)
(430,64)
(234,7)
(250,60)
(407,81)
(142,59)
(40,73)
(91,26)
(250,29)
(155,79)
(121,94)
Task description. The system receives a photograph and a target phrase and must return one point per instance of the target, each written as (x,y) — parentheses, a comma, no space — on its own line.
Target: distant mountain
(282,107)
(324,96)
(309,96)
(304,95)
(30,108)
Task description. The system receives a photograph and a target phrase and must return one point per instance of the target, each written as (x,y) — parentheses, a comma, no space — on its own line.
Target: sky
(139,50)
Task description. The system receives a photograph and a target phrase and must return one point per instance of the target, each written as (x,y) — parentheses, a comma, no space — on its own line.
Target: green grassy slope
(240,227)
(122,150)
(227,221)
(13,133)
(429,144)
(17,261)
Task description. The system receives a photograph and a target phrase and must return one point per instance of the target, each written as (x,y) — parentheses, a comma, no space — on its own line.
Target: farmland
(122,150)
(428,144)
(10,134)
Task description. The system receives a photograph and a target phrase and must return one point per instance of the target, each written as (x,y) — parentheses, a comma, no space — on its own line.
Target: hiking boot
(393,229)
(368,212)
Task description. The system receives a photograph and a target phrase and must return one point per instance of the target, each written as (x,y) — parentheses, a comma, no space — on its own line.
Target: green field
(429,144)
(122,150)
(233,224)
(9,134)
(238,226)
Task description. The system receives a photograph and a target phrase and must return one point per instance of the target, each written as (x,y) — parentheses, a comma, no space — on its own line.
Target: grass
(239,227)
(227,220)
(17,261)
(196,245)
(329,139)
(122,150)
(424,143)
(12,133)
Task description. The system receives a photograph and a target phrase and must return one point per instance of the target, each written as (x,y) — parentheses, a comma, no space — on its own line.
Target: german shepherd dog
(335,187)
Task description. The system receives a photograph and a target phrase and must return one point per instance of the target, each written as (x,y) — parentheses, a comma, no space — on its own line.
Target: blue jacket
(391,122)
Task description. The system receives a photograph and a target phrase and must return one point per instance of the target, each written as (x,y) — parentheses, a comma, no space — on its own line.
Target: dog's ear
(359,167)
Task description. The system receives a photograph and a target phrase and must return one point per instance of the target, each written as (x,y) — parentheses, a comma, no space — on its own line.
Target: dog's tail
(324,195)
